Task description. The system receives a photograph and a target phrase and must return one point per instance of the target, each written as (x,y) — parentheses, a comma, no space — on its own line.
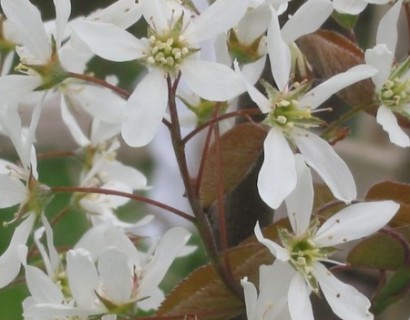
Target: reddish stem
(125,195)
(100,82)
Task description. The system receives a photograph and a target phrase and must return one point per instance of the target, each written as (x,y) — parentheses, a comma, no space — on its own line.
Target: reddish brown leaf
(240,148)
(396,191)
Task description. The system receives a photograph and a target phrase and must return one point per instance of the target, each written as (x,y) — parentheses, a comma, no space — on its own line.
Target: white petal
(300,307)
(26,18)
(116,171)
(63,10)
(387,30)
(210,80)
(122,13)
(307,19)
(332,169)
(279,54)
(82,276)
(115,275)
(254,24)
(145,109)
(168,248)
(345,301)
(299,203)
(322,92)
(352,7)
(381,58)
(273,279)
(279,252)
(41,287)
(157,15)
(109,41)
(355,221)
(10,261)
(257,97)
(251,297)
(253,70)
(217,18)
(12,191)
(14,87)
(277,176)
(72,124)
(388,120)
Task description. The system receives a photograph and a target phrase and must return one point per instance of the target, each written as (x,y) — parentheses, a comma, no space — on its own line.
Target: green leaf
(393,291)
(240,148)
(346,21)
(392,190)
(381,251)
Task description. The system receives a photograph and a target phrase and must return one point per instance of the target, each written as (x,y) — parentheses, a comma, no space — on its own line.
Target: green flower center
(395,92)
(169,49)
(304,253)
(286,112)
(167,52)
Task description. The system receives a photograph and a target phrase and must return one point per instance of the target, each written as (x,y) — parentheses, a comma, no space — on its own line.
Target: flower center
(304,253)
(286,112)
(167,52)
(395,92)
(168,49)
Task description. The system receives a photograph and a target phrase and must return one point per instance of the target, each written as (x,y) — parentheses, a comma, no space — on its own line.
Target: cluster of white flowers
(215,54)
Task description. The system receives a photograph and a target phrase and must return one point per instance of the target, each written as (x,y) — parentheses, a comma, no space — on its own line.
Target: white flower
(309,245)
(392,83)
(37,50)
(271,303)
(170,49)
(354,7)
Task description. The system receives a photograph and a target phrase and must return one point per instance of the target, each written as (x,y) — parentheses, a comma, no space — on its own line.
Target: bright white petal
(307,19)
(345,301)
(388,121)
(116,171)
(157,15)
(145,109)
(300,307)
(109,41)
(251,297)
(325,90)
(352,7)
(276,250)
(354,222)
(217,18)
(254,24)
(63,10)
(41,287)
(115,276)
(210,80)
(10,261)
(332,169)
(26,18)
(257,97)
(82,276)
(169,247)
(14,87)
(381,58)
(122,13)
(71,123)
(12,191)
(299,203)
(279,54)
(277,176)
(387,30)
(253,71)
(273,279)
